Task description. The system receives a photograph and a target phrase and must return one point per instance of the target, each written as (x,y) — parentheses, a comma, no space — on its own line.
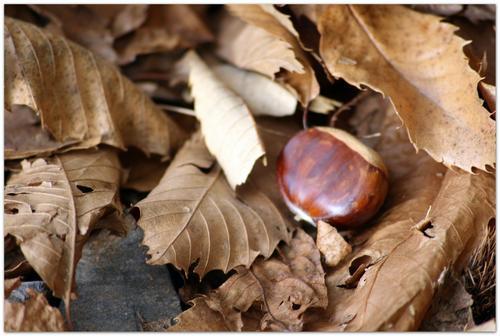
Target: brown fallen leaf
(142,173)
(280,26)
(414,65)
(35,314)
(166,28)
(9,285)
(81,24)
(331,244)
(52,205)
(193,215)
(434,218)
(224,119)
(73,106)
(253,48)
(280,289)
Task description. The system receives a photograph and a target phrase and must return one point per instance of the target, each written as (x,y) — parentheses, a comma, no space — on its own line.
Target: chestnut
(327,174)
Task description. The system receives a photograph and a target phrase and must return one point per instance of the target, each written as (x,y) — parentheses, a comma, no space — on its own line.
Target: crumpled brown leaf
(266,17)
(193,215)
(166,28)
(433,220)
(35,314)
(79,98)
(52,205)
(224,118)
(278,291)
(413,58)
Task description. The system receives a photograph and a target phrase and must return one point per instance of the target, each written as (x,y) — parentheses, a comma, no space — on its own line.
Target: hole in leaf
(84,189)
(356,263)
(12,211)
(295,306)
(426,228)
(356,270)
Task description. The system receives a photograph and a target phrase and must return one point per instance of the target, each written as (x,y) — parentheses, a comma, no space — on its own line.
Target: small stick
(178,109)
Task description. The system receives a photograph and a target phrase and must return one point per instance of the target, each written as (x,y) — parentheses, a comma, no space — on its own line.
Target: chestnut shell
(322,178)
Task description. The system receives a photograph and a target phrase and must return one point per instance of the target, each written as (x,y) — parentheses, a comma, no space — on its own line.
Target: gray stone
(117,289)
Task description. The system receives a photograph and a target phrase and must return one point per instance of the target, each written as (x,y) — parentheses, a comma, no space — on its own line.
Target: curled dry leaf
(331,244)
(434,219)
(52,205)
(193,215)
(413,58)
(166,28)
(489,94)
(266,17)
(225,119)
(79,98)
(278,291)
(253,48)
(262,95)
(35,314)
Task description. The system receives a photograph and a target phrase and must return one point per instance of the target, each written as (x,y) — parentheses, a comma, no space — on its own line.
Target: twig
(178,109)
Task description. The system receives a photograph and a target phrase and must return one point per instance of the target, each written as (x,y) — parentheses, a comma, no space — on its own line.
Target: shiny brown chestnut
(327,174)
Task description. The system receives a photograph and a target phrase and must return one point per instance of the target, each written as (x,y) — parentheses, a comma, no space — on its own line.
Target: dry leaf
(193,215)
(262,95)
(166,28)
(61,87)
(331,244)
(35,314)
(280,288)
(53,203)
(413,58)
(9,285)
(82,24)
(280,26)
(225,119)
(250,47)
(434,219)
(142,173)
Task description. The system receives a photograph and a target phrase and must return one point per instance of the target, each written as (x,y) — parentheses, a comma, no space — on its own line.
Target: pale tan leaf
(262,95)
(418,62)
(280,289)
(331,244)
(193,215)
(35,314)
(434,220)
(252,48)
(225,119)
(279,25)
(52,205)
(78,97)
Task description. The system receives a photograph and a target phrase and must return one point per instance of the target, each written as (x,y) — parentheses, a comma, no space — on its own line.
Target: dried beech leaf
(262,95)
(53,203)
(413,58)
(275,23)
(193,215)
(225,119)
(252,48)
(166,28)
(79,98)
(281,288)
(35,314)
(434,220)
(82,24)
